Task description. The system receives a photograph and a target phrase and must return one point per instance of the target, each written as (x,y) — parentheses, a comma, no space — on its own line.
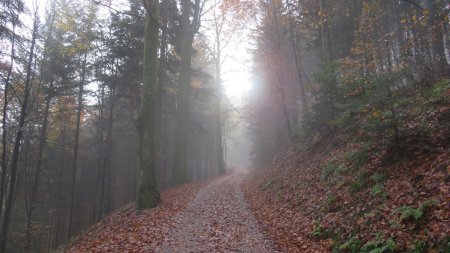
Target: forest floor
(332,197)
(209,217)
(291,207)
(319,201)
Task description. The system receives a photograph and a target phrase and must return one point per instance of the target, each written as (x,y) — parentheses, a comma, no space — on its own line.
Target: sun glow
(236,84)
(236,71)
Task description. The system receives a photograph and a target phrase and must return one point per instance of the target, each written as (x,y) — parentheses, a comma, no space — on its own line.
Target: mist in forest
(111,105)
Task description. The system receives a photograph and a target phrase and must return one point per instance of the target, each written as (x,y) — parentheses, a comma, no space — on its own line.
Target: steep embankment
(344,198)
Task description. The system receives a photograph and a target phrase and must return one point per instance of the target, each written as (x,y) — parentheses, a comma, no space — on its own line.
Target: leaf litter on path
(212,217)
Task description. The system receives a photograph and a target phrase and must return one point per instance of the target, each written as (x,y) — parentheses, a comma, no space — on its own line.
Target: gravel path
(218,220)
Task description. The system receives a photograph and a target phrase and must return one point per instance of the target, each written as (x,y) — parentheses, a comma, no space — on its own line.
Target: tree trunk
(327,53)
(4,119)
(76,146)
(161,99)
(18,139)
(42,144)
(148,195)
(298,66)
(96,214)
(218,115)
(179,173)
(188,31)
(218,105)
(437,20)
(42,141)
(106,173)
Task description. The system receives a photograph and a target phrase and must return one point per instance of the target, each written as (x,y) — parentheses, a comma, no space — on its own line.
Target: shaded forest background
(367,72)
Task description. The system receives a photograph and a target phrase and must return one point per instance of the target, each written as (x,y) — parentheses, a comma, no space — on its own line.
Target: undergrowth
(408,213)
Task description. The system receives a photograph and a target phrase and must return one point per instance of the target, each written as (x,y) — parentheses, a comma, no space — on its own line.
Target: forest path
(217,220)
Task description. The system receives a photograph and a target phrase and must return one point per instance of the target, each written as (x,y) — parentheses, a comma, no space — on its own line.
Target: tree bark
(148,195)
(188,31)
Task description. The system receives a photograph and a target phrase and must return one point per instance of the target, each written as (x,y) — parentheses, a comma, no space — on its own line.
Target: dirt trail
(218,220)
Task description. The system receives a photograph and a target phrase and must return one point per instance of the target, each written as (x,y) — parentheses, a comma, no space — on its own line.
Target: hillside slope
(346,198)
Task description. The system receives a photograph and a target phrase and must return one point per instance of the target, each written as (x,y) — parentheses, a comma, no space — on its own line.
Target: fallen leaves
(296,210)
(129,230)
(289,209)
(218,220)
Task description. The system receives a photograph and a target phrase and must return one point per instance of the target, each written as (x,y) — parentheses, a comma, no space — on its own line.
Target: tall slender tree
(148,195)
(188,29)
(19,134)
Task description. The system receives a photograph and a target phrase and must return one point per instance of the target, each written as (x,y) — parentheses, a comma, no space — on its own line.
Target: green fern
(351,245)
(416,214)
(332,168)
(379,246)
(377,189)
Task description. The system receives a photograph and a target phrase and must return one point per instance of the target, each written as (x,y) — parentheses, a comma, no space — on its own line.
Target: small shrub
(359,183)
(378,177)
(419,247)
(377,189)
(331,203)
(444,245)
(321,232)
(437,93)
(378,245)
(332,168)
(355,187)
(394,224)
(416,214)
(357,158)
(351,245)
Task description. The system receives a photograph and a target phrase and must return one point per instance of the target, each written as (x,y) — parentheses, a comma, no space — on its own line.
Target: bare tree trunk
(4,120)
(18,139)
(106,173)
(179,173)
(296,56)
(75,148)
(96,214)
(218,115)
(218,105)
(438,55)
(327,53)
(60,186)
(42,144)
